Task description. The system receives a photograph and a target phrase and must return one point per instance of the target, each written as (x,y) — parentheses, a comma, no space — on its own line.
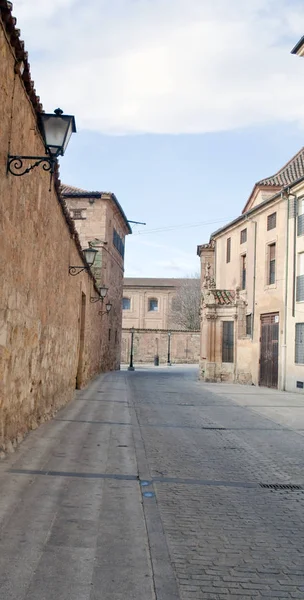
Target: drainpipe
(284,345)
(254,278)
(294,256)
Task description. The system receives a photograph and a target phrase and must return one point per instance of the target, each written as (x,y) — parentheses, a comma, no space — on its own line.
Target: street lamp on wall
(108,308)
(102,294)
(56,130)
(90,255)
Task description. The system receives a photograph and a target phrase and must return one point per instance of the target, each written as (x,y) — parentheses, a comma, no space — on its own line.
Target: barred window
(243,236)
(228,250)
(249,324)
(77,213)
(228,342)
(271,221)
(243,271)
(271,264)
(301,216)
(300,278)
(299,349)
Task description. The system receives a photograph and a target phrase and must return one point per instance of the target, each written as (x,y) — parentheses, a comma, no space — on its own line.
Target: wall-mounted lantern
(102,294)
(90,255)
(108,308)
(56,130)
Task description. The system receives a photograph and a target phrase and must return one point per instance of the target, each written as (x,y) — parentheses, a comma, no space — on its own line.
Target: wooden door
(269,350)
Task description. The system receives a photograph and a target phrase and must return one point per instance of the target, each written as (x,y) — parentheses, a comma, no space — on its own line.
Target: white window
(300,278)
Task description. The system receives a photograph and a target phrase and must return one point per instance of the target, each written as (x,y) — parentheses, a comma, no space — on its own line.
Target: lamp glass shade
(90,255)
(103,291)
(57,130)
(108,306)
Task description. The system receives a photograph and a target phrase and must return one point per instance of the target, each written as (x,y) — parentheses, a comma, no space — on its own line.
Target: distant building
(101,222)
(252,316)
(146,307)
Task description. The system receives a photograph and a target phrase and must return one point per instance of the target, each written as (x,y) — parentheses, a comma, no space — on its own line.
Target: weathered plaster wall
(184,346)
(41,350)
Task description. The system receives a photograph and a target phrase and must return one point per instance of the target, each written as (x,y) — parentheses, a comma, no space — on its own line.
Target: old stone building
(101,222)
(147,308)
(252,326)
(50,333)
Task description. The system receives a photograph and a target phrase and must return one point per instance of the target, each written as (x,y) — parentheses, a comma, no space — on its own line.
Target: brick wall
(50,334)
(185,346)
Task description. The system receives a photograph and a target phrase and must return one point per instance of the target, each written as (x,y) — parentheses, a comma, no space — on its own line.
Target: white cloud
(166,66)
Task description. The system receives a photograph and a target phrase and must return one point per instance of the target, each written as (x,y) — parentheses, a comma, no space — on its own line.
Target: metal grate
(300,225)
(271,221)
(300,288)
(299,345)
(228,341)
(281,486)
(243,236)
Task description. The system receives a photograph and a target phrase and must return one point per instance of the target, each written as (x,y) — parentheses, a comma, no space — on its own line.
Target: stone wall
(50,335)
(185,346)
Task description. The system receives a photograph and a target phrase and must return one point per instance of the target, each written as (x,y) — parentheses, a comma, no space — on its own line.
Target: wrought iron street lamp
(56,130)
(108,308)
(102,294)
(90,255)
(131,366)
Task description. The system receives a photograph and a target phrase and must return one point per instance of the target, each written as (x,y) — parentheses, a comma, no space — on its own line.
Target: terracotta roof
(13,34)
(69,191)
(289,173)
(153,282)
(224,296)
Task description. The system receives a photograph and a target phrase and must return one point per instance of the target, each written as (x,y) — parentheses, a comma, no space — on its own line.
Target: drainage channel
(159,480)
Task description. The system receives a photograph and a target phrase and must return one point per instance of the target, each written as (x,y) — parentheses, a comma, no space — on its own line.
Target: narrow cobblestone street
(153,486)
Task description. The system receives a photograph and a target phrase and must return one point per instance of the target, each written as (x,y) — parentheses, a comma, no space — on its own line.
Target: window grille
(271,263)
(271,221)
(126,304)
(249,324)
(228,250)
(243,236)
(300,218)
(243,272)
(299,349)
(228,342)
(153,304)
(300,288)
(77,213)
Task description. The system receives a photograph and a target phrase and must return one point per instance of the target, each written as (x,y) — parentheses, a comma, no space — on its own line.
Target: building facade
(252,325)
(101,222)
(147,309)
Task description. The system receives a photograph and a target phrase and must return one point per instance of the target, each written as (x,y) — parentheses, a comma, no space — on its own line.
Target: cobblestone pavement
(153,486)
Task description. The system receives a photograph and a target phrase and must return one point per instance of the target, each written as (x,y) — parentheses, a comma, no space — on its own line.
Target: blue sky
(181,105)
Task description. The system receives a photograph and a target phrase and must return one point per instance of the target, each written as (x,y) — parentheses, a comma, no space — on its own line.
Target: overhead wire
(175,227)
